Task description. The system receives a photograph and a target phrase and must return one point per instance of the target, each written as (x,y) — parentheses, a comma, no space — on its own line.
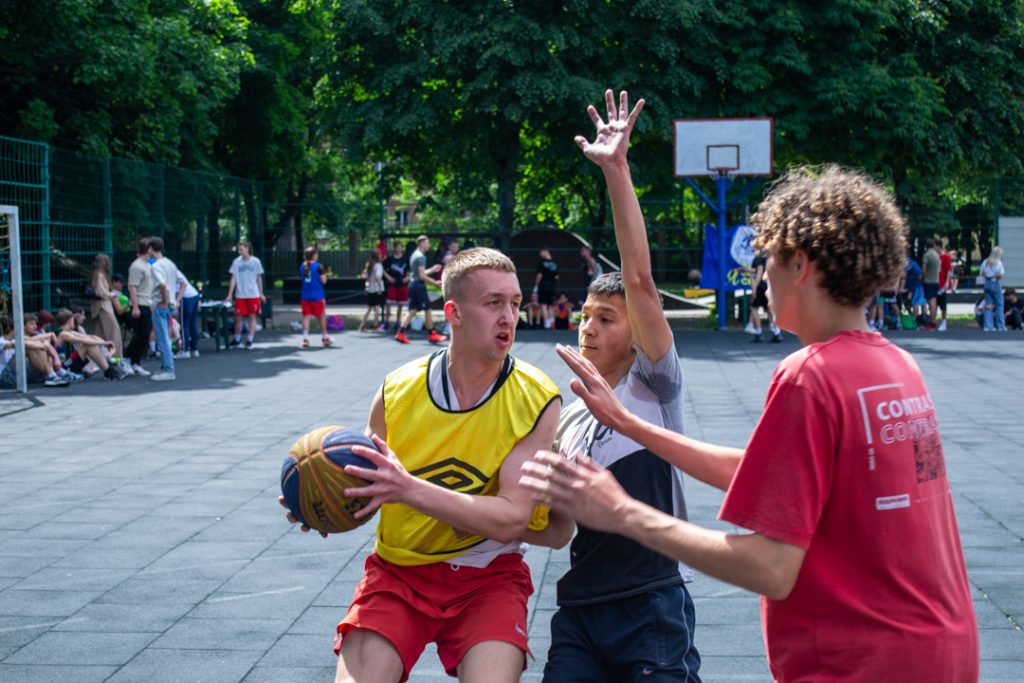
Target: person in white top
(187,300)
(992,272)
(165,279)
(247,286)
(374,275)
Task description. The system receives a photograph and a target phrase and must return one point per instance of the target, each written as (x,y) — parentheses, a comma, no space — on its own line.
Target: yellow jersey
(461,450)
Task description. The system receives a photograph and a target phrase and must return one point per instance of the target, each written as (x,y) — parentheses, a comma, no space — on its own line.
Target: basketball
(313,479)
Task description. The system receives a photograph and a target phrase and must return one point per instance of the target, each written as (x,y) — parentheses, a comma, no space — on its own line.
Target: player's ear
(452,313)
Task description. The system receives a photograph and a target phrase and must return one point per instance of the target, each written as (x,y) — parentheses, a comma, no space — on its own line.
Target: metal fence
(73,207)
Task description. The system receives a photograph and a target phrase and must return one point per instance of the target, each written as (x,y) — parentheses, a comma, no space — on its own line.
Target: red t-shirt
(846,462)
(945,266)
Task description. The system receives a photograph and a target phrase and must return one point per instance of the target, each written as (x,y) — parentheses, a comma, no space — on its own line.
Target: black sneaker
(756,339)
(776,338)
(233,343)
(248,345)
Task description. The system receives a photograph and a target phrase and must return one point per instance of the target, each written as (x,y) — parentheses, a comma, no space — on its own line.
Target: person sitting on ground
(40,368)
(534,312)
(563,313)
(49,343)
(1013,309)
(979,312)
(122,302)
(85,347)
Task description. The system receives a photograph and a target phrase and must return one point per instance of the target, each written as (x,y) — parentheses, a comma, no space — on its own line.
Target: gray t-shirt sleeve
(665,379)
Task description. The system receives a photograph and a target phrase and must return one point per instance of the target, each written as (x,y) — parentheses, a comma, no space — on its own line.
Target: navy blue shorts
(647,637)
(418,299)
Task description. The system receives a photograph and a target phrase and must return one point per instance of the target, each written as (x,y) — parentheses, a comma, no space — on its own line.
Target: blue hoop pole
(722,185)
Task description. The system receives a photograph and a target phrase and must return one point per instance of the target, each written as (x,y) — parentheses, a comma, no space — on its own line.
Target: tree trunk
(506,158)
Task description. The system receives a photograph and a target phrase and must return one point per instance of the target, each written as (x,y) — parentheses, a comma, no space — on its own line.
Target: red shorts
(398,295)
(455,607)
(247,306)
(313,308)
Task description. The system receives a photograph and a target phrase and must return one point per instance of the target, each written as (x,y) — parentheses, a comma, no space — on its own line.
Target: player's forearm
(133,295)
(712,464)
(630,231)
(749,561)
(493,517)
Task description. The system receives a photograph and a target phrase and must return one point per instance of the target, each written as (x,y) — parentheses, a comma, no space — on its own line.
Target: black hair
(608,284)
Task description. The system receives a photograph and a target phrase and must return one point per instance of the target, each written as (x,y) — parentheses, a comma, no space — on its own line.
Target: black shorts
(760,299)
(418,299)
(546,297)
(375,298)
(931,290)
(940,299)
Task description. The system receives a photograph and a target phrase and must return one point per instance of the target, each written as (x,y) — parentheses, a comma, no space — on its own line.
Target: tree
(136,78)
(477,90)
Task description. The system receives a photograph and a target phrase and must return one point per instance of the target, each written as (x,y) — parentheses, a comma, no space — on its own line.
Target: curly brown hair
(844,221)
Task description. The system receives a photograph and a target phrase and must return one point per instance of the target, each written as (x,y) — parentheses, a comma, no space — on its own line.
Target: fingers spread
(592,112)
(609,101)
(623,104)
(636,112)
(582,143)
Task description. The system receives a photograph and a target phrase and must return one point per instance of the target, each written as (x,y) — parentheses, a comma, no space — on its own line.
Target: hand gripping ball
(313,479)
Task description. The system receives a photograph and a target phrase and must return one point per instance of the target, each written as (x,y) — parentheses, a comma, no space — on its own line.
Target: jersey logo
(454,475)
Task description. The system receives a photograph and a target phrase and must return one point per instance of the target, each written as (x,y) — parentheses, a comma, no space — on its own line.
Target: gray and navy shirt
(607,566)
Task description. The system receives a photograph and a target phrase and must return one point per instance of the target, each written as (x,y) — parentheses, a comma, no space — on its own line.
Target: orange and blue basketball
(313,479)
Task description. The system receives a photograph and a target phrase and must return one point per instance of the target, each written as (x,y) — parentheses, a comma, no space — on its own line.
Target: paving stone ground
(141,540)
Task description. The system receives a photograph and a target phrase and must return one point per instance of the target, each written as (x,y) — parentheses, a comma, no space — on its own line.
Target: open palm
(612,139)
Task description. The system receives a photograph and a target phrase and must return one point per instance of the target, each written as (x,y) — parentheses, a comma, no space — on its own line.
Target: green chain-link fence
(73,207)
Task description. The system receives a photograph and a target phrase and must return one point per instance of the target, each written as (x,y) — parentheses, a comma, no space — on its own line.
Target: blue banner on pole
(738,257)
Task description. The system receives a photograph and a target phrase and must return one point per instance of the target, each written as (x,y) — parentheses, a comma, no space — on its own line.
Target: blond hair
(465,262)
(844,221)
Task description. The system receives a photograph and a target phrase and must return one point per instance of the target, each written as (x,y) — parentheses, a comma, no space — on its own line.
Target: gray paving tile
(23,673)
(290,674)
(44,603)
(145,618)
(81,648)
(227,634)
(175,666)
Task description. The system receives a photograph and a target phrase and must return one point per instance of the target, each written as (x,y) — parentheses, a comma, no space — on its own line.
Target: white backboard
(707,147)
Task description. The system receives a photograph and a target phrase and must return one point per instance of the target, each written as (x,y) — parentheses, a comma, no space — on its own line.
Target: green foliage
(127,78)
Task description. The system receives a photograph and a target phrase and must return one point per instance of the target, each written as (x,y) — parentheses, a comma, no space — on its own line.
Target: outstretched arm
(646,318)
(592,496)
(503,517)
(714,465)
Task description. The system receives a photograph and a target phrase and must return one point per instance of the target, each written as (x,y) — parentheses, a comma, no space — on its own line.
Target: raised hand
(593,389)
(612,141)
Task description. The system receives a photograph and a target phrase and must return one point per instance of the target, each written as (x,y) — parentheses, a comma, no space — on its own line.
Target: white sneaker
(942,326)
(749,329)
(182,354)
(163,376)
(195,354)
(127,369)
(141,371)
